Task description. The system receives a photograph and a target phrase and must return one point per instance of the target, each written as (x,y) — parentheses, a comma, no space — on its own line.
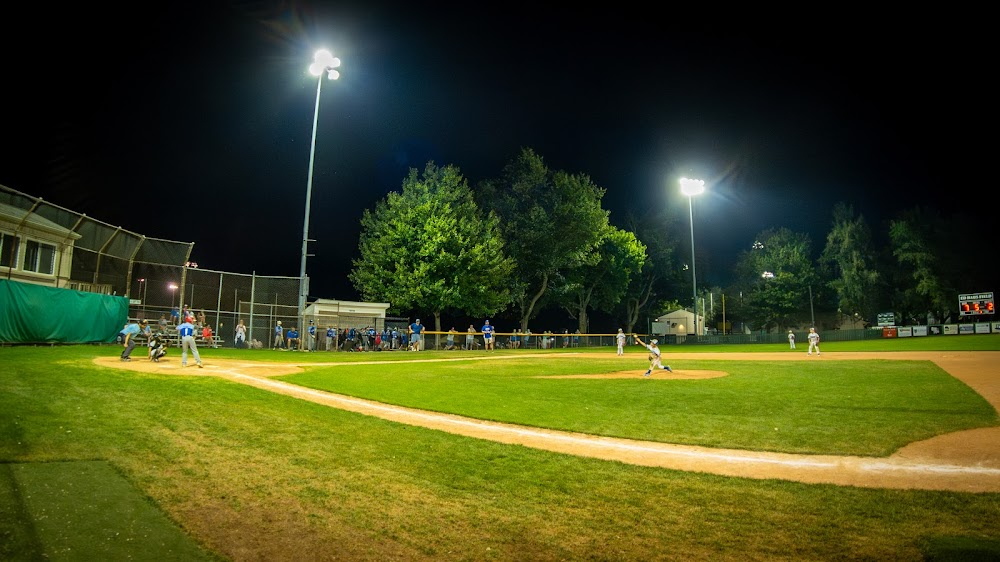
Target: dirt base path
(967,461)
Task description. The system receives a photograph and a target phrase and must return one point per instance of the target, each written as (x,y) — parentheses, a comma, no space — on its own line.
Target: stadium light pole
(691,188)
(173,292)
(323,63)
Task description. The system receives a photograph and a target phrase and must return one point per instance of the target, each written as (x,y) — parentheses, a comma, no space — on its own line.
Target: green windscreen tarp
(37,314)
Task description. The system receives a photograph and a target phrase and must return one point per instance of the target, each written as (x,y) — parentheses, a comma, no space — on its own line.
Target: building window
(9,245)
(39,257)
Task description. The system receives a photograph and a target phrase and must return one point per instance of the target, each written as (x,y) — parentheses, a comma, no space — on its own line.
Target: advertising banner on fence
(964,329)
(982,328)
(889,332)
(996,327)
(904,332)
(949,329)
(920,330)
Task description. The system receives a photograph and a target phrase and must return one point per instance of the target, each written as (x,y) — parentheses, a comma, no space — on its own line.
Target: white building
(34,249)
(338,313)
(679,323)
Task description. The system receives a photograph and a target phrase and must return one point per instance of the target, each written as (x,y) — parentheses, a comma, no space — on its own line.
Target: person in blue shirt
(312,336)
(293,339)
(128,334)
(279,336)
(487,336)
(416,329)
(331,338)
(186,331)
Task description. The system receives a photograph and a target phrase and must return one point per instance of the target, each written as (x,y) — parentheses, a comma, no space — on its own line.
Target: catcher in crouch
(654,356)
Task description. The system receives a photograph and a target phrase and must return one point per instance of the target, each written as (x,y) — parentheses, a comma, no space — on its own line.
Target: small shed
(678,323)
(346,314)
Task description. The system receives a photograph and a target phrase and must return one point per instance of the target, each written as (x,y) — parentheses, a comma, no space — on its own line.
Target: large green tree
(655,285)
(552,222)
(920,243)
(431,248)
(603,284)
(850,258)
(775,277)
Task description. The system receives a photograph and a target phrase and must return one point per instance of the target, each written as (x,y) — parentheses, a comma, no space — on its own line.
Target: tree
(775,277)
(654,285)
(602,285)
(431,248)
(918,240)
(552,222)
(851,260)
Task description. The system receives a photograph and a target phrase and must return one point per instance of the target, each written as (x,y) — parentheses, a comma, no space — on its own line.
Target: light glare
(692,187)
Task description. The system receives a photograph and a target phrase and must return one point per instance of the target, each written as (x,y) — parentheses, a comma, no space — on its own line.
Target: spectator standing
(186,333)
(450,340)
(241,334)
(565,338)
(470,339)
(416,338)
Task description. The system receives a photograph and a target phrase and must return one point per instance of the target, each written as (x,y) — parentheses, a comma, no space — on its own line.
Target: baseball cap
(418,320)
(654,342)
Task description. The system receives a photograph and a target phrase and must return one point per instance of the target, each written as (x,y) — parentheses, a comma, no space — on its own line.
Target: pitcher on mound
(654,356)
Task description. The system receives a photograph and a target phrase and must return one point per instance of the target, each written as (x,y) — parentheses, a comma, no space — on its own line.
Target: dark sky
(194,124)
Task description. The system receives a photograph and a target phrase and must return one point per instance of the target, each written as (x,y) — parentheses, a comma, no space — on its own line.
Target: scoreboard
(975,304)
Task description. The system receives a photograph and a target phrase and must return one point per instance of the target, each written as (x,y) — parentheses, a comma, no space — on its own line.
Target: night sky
(194,125)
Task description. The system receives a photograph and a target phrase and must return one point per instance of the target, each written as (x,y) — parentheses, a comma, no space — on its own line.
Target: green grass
(84,510)
(845,408)
(248,474)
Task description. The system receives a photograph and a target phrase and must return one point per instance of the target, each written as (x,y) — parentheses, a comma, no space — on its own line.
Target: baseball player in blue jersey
(186,332)
(487,336)
(654,356)
(331,338)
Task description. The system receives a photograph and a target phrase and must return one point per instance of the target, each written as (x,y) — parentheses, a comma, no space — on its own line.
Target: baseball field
(742,453)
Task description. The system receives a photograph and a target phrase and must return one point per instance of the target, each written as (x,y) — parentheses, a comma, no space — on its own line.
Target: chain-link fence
(47,244)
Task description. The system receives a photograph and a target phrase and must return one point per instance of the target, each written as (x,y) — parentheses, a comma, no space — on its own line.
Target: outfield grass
(249,474)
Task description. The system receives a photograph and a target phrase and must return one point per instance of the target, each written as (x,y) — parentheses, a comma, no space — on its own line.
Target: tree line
(533,238)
